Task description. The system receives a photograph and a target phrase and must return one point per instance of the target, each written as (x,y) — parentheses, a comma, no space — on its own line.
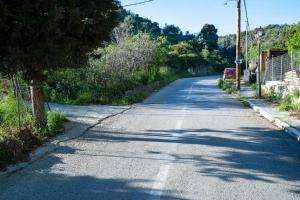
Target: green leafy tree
(173,33)
(294,40)
(294,44)
(185,55)
(38,36)
(208,37)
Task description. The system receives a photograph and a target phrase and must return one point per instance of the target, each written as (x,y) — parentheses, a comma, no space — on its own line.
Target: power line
(246,11)
(247,20)
(138,3)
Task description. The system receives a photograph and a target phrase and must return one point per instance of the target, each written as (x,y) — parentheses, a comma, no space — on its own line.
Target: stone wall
(284,88)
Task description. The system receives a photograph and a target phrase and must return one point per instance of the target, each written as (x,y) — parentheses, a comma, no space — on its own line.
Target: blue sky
(191,15)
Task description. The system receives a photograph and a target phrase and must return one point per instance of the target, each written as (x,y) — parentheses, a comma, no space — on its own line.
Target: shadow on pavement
(40,182)
(250,153)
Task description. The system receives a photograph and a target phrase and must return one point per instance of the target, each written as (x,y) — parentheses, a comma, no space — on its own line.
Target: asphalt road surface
(188,141)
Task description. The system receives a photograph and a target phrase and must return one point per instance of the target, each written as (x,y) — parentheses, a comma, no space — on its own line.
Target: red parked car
(229,73)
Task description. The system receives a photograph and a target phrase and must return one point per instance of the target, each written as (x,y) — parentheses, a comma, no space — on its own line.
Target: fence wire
(21,92)
(276,67)
(295,59)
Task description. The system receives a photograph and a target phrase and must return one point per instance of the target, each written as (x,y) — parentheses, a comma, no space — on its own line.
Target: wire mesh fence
(295,59)
(278,68)
(15,95)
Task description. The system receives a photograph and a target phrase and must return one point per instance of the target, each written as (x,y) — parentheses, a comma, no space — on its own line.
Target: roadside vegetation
(53,37)
(276,36)
(100,55)
(15,143)
(291,103)
(227,85)
(111,57)
(140,58)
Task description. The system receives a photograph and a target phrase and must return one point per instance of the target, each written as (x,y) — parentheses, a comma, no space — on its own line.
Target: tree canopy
(208,37)
(41,35)
(294,41)
(36,36)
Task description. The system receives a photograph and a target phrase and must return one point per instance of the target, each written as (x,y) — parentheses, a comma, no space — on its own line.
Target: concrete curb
(277,122)
(75,129)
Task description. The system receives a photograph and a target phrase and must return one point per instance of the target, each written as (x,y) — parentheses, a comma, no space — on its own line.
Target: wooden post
(238,45)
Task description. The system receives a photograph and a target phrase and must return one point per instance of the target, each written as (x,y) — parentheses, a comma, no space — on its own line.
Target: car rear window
(230,70)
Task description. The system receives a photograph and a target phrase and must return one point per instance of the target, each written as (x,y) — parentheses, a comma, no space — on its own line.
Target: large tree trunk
(38,104)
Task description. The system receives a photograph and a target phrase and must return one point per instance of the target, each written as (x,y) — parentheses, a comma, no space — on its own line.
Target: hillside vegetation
(276,36)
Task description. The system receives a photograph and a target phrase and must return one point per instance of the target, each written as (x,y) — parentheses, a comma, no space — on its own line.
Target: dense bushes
(61,87)
(131,61)
(134,59)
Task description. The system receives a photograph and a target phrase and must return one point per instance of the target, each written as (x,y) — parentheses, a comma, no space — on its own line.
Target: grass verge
(16,144)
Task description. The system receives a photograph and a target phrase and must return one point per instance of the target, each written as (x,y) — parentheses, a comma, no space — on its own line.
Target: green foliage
(5,154)
(295,93)
(286,104)
(227,85)
(141,24)
(184,55)
(9,114)
(253,86)
(294,45)
(208,37)
(275,37)
(55,35)
(172,33)
(38,36)
(55,123)
(14,142)
(220,82)
(270,95)
(294,38)
(231,90)
(291,103)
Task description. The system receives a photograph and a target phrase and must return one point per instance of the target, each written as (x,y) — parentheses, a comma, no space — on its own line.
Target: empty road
(188,141)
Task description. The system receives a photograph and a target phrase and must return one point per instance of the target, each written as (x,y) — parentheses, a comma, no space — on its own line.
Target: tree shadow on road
(52,178)
(249,153)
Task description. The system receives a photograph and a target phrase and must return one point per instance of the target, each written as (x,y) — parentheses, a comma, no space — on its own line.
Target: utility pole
(246,56)
(238,46)
(259,34)
(258,72)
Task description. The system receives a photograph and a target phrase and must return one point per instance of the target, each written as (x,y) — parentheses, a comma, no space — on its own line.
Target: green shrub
(286,104)
(231,90)
(220,82)
(253,86)
(295,93)
(226,85)
(55,122)
(8,111)
(9,114)
(5,153)
(85,98)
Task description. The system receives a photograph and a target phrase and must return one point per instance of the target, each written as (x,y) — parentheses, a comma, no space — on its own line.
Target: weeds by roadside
(270,96)
(227,85)
(291,103)
(253,86)
(14,143)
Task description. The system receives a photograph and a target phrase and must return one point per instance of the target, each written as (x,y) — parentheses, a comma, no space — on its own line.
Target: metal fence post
(292,64)
(281,64)
(272,68)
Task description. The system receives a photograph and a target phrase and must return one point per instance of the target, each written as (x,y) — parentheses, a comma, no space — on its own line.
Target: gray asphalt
(188,141)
